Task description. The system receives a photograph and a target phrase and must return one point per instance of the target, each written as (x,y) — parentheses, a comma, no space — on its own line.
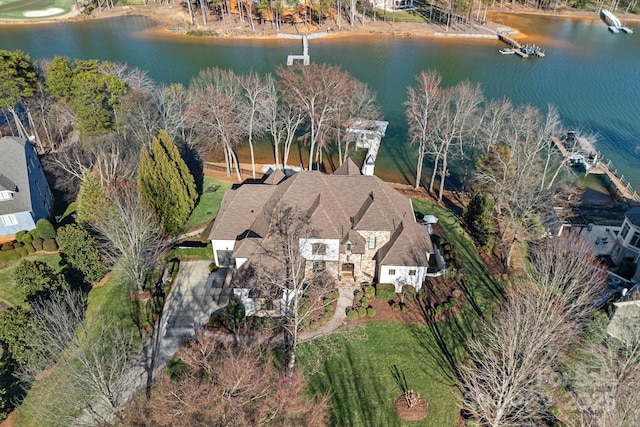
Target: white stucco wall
(401,276)
(332,253)
(221,245)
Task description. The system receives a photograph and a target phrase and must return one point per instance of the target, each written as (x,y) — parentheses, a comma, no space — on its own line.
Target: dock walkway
(584,149)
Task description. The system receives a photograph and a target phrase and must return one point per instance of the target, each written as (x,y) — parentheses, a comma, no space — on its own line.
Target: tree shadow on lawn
(444,342)
(356,392)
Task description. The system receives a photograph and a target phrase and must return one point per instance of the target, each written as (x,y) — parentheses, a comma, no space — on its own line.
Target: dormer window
(348,246)
(6,195)
(625,231)
(372,242)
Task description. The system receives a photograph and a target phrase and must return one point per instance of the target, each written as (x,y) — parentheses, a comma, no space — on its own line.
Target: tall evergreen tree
(165,183)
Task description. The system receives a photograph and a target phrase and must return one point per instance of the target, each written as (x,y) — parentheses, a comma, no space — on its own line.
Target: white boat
(506,51)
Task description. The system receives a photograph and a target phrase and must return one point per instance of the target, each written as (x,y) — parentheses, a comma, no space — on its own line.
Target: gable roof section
(239,209)
(408,246)
(275,177)
(347,168)
(15,175)
(331,203)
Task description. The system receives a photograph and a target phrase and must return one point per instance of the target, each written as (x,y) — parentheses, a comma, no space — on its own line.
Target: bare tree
(507,376)
(318,91)
(456,120)
(254,108)
(421,103)
(283,122)
(94,357)
(282,269)
(138,117)
(131,239)
(226,384)
(512,171)
(212,114)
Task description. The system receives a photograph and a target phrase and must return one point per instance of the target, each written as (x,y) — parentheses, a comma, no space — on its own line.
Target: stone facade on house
(355,226)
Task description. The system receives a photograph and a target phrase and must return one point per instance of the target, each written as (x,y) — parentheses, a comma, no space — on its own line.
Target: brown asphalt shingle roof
(334,205)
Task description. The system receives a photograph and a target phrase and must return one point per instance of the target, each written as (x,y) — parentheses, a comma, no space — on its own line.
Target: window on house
(8,220)
(412,272)
(319,266)
(318,249)
(6,195)
(392,272)
(635,240)
(348,245)
(372,242)
(624,231)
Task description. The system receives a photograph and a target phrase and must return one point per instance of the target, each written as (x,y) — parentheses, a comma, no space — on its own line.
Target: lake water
(590,74)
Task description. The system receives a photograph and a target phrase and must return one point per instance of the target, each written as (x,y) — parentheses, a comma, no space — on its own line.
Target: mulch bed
(417,412)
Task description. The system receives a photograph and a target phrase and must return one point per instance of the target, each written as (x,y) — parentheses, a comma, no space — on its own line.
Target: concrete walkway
(339,317)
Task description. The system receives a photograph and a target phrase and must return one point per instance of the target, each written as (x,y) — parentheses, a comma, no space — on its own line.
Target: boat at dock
(613,23)
(506,51)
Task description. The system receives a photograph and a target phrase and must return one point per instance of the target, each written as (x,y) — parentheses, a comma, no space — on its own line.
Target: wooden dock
(617,184)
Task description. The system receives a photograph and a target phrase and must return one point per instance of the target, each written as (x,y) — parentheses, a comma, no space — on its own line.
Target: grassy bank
(207,208)
(9,290)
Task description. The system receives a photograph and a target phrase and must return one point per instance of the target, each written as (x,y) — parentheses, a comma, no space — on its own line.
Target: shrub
(235,313)
(409,292)
(80,251)
(7,246)
(439,309)
(328,308)
(37,243)
(313,326)
(369,291)
(49,245)
(385,291)
(323,320)
(358,295)
(17,245)
(453,302)
(29,248)
(212,267)
(9,256)
(364,301)
(395,306)
(371,312)
(21,251)
(352,315)
(27,238)
(364,305)
(404,308)
(20,235)
(362,311)
(44,229)
(176,368)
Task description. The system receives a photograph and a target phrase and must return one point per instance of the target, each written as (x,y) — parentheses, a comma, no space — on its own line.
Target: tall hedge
(45,230)
(165,183)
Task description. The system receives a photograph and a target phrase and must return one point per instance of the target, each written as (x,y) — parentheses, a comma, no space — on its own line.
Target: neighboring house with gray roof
(362,229)
(25,196)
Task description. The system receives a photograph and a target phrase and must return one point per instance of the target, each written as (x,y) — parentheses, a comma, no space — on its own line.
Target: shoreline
(174,24)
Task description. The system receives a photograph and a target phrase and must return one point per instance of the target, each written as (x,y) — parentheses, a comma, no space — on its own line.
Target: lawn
(14,9)
(9,291)
(207,208)
(109,301)
(354,367)
(483,287)
(359,381)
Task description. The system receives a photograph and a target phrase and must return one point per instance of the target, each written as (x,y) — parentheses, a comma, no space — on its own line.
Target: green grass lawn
(354,367)
(359,379)
(9,290)
(14,9)
(483,287)
(109,301)
(207,208)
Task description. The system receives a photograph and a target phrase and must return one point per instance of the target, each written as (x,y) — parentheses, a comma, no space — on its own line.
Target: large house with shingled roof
(363,229)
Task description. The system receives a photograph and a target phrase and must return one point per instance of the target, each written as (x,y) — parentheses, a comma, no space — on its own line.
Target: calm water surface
(591,75)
